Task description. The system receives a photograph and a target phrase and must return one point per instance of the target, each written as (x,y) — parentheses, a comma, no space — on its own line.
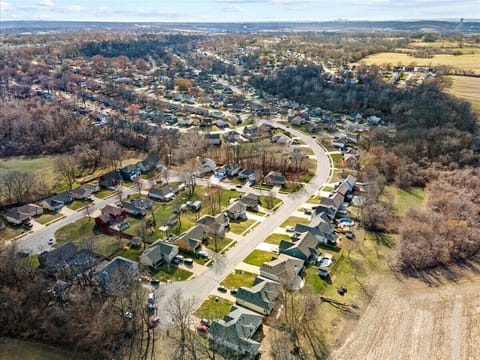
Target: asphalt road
(200,287)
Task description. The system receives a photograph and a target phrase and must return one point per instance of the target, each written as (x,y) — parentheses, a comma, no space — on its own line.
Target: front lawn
(314,200)
(105,193)
(239,278)
(263,187)
(276,238)
(78,204)
(10,231)
(221,243)
(269,202)
(291,188)
(294,220)
(258,257)
(211,309)
(169,272)
(337,160)
(238,227)
(85,228)
(148,175)
(48,216)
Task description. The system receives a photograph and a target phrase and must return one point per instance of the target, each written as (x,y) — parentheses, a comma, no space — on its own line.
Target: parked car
(233,291)
(28,225)
(289,229)
(51,241)
(188,261)
(179,258)
(307,211)
(155,282)
(151,298)
(349,235)
(203,254)
(222,288)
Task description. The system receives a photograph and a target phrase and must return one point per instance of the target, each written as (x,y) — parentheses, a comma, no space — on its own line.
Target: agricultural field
(466,88)
(424,321)
(470,62)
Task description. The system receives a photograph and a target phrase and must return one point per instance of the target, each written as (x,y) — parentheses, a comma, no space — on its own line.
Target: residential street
(200,287)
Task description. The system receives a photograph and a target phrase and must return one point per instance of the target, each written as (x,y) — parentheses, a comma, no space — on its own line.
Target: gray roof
(303,248)
(262,294)
(238,327)
(117,272)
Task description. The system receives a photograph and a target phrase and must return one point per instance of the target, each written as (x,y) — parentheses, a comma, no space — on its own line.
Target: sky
(236,10)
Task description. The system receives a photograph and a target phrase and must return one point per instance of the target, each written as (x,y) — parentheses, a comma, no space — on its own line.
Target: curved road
(201,286)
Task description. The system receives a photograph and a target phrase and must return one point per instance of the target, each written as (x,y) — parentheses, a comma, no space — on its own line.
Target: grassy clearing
(276,238)
(238,227)
(466,88)
(221,244)
(294,220)
(464,62)
(169,272)
(406,199)
(48,216)
(258,257)
(84,228)
(239,278)
(10,231)
(211,309)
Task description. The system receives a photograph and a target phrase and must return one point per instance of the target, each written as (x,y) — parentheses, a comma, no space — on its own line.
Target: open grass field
(464,62)
(211,309)
(238,278)
(406,199)
(466,88)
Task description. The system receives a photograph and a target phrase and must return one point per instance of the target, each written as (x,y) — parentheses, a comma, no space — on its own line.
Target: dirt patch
(409,319)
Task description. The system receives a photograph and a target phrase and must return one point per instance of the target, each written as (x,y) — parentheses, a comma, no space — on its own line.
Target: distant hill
(468,26)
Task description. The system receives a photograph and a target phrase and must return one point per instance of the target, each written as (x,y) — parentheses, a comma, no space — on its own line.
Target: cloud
(46,4)
(291,2)
(5,6)
(241,1)
(232,9)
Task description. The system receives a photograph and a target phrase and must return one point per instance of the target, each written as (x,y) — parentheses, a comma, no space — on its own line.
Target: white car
(203,254)
(290,229)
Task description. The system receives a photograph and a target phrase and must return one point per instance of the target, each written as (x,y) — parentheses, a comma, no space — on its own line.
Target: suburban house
(117,273)
(321,228)
(255,178)
(252,201)
(56,202)
(214,225)
(227,170)
(22,214)
(232,137)
(149,164)
(245,173)
(16,218)
(85,191)
(191,240)
(137,207)
(335,200)
(260,297)
(130,172)
(284,269)
(213,139)
(236,330)
(165,193)
(206,166)
(274,178)
(237,211)
(110,179)
(305,248)
(158,253)
(280,139)
(297,121)
(251,132)
(110,215)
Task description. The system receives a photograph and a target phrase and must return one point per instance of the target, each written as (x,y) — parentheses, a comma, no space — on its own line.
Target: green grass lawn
(221,243)
(10,231)
(307,177)
(269,202)
(239,278)
(148,175)
(276,238)
(239,227)
(169,272)
(406,199)
(104,193)
(85,228)
(78,204)
(337,160)
(291,188)
(211,309)
(294,220)
(197,258)
(258,257)
(130,253)
(314,200)
(48,216)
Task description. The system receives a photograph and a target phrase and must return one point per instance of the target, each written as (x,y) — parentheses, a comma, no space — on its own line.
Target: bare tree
(66,167)
(18,186)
